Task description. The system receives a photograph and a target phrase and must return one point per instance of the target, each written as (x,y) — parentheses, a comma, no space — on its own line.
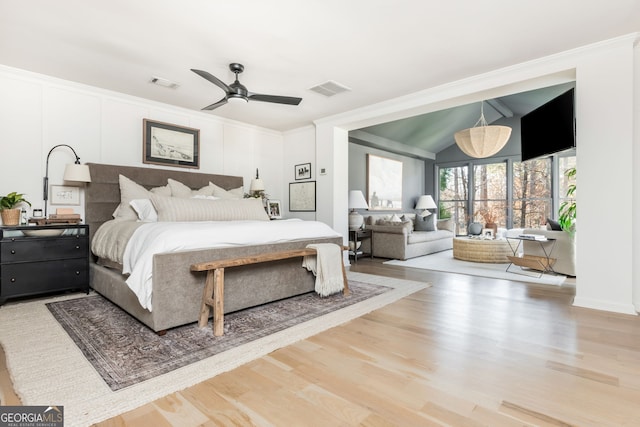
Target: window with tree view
(510,194)
(532,201)
(454,195)
(490,194)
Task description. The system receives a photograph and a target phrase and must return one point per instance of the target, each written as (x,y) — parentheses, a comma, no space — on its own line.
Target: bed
(177,292)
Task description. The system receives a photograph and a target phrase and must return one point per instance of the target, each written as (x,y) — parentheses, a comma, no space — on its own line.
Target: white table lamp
(356,201)
(424,203)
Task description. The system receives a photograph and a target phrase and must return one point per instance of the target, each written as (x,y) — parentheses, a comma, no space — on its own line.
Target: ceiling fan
(237,91)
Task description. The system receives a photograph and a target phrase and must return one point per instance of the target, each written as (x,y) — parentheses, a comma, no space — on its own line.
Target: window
(532,202)
(518,194)
(490,193)
(565,163)
(454,196)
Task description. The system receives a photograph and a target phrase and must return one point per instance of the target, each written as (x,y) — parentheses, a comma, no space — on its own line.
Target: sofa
(396,236)
(564,250)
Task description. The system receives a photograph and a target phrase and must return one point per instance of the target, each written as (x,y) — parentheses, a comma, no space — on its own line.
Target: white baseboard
(604,305)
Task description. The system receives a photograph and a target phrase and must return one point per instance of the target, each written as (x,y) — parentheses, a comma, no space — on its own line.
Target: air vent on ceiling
(329,88)
(164,82)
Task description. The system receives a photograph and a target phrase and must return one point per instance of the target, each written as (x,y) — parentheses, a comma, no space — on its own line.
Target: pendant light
(482,140)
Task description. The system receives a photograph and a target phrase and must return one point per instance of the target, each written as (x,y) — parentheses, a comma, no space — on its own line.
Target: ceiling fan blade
(290,100)
(216,104)
(213,79)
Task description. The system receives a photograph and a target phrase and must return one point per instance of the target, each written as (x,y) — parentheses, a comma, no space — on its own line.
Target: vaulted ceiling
(379,50)
(434,132)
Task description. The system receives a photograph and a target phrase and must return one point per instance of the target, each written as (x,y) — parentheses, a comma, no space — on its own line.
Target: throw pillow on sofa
(408,224)
(425,223)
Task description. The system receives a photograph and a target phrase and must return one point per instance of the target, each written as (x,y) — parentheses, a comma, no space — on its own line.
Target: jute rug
(48,368)
(444,261)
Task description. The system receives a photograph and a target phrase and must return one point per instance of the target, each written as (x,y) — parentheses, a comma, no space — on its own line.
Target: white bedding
(161,237)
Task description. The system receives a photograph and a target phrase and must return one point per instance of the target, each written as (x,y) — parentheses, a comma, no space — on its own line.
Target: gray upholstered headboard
(102,195)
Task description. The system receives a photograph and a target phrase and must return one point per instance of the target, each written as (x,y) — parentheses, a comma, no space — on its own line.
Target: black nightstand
(37,260)
(360,235)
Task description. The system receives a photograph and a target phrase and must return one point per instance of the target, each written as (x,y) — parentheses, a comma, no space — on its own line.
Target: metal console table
(543,264)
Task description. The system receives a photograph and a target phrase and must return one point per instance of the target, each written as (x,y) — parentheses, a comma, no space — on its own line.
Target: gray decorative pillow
(425,223)
(406,224)
(553,225)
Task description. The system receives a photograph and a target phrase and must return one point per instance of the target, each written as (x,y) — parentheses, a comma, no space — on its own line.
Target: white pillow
(236,193)
(178,189)
(395,218)
(145,210)
(179,209)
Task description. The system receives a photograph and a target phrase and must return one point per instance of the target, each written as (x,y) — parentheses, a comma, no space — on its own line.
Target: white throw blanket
(327,267)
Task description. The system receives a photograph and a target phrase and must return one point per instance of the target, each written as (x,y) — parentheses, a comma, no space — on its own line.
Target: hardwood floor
(467,351)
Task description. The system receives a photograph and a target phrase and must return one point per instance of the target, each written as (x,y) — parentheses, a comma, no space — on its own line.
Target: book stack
(533,237)
(72,218)
(62,216)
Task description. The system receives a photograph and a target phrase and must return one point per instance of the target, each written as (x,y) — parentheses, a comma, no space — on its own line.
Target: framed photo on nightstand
(274,209)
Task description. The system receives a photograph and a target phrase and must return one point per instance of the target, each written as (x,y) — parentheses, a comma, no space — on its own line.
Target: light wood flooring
(467,351)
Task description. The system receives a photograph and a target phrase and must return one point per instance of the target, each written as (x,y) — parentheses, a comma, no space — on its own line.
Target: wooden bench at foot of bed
(213,294)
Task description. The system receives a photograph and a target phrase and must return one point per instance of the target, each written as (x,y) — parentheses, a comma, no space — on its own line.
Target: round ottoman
(479,250)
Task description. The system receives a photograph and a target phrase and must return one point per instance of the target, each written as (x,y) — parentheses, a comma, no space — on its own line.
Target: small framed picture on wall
(303,171)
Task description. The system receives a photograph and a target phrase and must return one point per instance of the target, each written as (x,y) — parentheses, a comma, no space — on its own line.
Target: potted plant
(8,211)
(490,217)
(567,211)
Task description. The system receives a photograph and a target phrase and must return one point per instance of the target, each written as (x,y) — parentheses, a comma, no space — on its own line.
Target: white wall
(605,104)
(38,112)
(604,147)
(299,148)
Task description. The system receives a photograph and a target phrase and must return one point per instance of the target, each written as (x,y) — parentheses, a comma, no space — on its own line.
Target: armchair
(564,250)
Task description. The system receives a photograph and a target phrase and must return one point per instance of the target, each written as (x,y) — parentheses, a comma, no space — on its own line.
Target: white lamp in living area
(424,203)
(356,201)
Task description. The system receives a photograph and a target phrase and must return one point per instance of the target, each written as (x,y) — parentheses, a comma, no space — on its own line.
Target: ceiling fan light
(482,141)
(237,99)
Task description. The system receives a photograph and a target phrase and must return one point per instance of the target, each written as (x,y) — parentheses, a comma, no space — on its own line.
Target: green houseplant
(10,214)
(567,211)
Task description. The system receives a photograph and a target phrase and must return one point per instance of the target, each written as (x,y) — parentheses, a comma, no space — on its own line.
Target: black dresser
(37,260)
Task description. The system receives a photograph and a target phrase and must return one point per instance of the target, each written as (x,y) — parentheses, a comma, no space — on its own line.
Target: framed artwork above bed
(170,145)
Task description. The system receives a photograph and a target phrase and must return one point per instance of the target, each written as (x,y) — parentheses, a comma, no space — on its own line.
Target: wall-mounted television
(549,128)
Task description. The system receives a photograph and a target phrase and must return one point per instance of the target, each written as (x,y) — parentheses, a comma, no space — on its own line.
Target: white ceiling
(379,49)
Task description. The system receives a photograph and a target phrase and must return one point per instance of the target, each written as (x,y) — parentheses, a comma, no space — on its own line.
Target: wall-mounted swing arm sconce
(72,172)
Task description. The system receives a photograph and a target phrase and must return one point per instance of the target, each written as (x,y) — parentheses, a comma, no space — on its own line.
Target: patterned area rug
(125,352)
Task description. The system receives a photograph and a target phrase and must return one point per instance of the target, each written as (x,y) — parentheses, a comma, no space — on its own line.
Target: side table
(357,236)
(543,264)
(43,259)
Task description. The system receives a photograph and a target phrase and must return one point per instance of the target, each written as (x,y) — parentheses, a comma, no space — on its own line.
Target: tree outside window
(532,202)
